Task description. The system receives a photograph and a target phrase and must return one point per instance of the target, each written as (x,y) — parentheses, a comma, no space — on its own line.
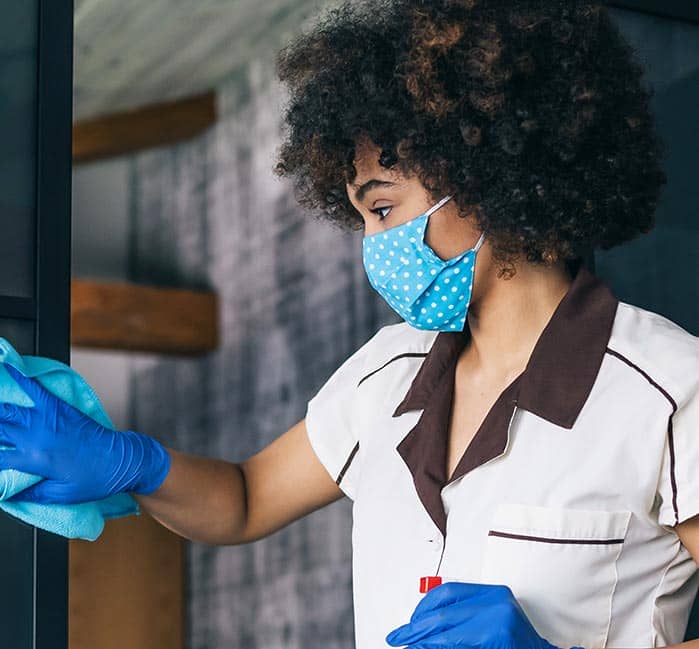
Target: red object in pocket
(428,583)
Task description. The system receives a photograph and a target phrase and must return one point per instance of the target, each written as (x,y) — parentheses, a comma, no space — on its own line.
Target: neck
(508,317)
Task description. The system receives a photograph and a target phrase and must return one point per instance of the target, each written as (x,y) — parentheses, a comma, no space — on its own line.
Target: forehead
(366,158)
(367,166)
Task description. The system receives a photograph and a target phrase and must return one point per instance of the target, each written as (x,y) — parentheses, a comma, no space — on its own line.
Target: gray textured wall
(295,303)
(100,246)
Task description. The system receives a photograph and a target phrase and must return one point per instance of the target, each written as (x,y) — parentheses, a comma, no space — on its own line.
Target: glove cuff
(151,462)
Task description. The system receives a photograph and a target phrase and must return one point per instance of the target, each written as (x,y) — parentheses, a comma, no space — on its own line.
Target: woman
(523,435)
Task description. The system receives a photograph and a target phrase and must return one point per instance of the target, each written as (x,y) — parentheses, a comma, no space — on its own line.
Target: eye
(378,211)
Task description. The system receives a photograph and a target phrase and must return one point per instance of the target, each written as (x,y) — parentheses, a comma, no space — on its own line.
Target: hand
(80,459)
(483,616)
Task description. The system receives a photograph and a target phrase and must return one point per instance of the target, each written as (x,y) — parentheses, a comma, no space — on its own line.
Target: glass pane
(17,547)
(18,66)
(19,333)
(18,71)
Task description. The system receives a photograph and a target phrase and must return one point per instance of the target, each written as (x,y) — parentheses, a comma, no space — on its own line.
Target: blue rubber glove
(80,459)
(455,614)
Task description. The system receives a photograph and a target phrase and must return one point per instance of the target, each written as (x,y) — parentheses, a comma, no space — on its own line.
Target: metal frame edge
(53,270)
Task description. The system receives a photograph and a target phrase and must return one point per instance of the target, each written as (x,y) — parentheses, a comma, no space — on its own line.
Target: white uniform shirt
(568,492)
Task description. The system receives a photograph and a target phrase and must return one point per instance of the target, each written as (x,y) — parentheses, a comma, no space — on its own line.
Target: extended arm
(203,499)
(219,502)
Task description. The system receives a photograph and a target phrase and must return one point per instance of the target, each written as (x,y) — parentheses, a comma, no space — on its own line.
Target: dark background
(658,271)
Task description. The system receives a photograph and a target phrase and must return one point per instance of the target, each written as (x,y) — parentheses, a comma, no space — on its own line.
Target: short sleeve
(330,419)
(678,486)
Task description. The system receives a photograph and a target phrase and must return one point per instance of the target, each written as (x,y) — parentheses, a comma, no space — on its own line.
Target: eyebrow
(369,185)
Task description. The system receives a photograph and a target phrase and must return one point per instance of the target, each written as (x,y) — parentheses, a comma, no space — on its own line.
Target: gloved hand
(80,459)
(455,614)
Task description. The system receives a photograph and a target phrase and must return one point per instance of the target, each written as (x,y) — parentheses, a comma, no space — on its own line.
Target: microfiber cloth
(78,521)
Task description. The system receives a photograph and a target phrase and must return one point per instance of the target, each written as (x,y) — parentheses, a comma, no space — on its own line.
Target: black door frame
(52,329)
(38,610)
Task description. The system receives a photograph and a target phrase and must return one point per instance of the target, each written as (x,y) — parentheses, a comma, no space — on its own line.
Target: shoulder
(402,336)
(661,348)
(394,341)
(389,343)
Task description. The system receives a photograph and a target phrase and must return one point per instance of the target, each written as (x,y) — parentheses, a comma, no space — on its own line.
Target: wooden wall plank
(126,589)
(143,318)
(143,128)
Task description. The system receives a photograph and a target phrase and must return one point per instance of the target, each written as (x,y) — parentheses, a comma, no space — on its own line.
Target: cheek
(447,237)
(371,228)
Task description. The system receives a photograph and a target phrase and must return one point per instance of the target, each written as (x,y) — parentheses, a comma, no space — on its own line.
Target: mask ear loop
(436,206)
(426,216)
(479,243)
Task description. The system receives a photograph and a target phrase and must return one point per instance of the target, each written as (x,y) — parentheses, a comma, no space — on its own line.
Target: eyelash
(378,211)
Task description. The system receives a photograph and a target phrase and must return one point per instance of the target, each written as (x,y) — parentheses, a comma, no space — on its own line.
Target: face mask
(426,291)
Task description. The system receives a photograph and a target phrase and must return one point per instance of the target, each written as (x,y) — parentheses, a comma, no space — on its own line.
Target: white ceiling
(131,53)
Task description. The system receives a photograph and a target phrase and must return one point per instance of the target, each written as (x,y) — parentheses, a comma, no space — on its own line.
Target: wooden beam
(143,128)
(143,318)
(126,589)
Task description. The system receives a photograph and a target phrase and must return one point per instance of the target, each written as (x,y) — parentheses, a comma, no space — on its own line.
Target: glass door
(35,129)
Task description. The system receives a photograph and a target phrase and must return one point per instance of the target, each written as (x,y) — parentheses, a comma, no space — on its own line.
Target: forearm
(202,499)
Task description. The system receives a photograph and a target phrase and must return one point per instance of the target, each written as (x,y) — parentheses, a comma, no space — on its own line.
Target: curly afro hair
(531,113)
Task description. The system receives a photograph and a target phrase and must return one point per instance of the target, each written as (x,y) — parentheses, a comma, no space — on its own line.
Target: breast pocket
(561,566)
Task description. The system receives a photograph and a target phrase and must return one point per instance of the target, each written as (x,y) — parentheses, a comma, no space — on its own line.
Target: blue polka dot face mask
(426,291)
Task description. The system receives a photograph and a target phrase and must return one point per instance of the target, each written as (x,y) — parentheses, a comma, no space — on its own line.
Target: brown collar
(555,384)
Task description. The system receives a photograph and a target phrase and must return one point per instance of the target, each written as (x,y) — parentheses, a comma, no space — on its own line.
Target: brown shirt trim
(670,435)
(347,464)
(424,448)
(554,385)
(544,539)
(387,363)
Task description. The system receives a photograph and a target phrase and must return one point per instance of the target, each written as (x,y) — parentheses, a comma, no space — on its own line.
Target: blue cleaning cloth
(78,521)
